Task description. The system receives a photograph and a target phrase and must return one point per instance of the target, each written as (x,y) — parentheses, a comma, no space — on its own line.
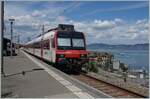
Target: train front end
(71,51)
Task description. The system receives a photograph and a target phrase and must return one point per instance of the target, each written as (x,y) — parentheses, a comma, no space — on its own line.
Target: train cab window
(77,42)
(64,42)
(71,40)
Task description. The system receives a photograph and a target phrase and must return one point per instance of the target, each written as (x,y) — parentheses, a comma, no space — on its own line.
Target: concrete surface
(47,83)
(37,84)
(77,86)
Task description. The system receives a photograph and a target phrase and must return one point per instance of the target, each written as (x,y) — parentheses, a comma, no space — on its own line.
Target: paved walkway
(47,83)
(33,84)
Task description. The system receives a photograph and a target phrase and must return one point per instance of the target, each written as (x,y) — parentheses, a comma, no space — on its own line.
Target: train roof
(50,32)
(45,36)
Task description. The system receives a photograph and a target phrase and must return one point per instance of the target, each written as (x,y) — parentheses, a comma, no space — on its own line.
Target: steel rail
(107,88)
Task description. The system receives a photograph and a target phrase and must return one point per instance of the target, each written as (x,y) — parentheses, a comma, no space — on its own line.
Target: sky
(110,22)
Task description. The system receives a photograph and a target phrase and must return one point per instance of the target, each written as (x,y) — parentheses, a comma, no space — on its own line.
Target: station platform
(47,83)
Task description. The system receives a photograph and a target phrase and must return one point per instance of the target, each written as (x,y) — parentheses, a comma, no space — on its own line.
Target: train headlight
(83,56)
(60,55)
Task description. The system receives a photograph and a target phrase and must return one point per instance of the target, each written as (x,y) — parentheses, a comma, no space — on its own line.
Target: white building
(116,64)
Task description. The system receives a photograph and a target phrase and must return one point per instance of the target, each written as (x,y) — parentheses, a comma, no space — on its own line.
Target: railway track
(107,88)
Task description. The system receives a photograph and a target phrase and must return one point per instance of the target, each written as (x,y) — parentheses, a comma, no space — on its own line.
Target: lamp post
(1,35)
(11,23)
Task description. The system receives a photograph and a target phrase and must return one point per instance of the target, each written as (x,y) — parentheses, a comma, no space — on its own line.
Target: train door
(41,44)
(52,50)
(49,52)
(46,51)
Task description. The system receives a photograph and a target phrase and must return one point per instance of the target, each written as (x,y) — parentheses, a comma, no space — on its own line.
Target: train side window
(37,45)
(49,43)
(43,45)
(53,42)
(46,44)
(33,45)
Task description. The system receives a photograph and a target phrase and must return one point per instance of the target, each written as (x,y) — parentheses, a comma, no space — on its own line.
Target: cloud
(109,31)
(132,30)
(29,21)
(112,31)
(103,25)
(38,13)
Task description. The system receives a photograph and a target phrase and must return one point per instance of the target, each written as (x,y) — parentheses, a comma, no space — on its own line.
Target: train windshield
(71,41)
(64,42)
(77,42)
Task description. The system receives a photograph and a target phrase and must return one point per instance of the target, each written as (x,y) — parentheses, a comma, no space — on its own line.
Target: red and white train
(62,45)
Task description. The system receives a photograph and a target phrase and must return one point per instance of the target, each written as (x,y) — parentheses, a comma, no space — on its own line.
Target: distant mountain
(94,46)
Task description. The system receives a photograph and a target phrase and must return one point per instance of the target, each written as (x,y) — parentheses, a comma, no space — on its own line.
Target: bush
(94,69)
(91,67)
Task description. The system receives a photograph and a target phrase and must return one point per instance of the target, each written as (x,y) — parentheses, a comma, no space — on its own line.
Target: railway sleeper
(96,83)
(99,86)
(113,93)
(128,96)
(84,78)
(87,82)
(93,83)
(118,94)
(103,88)
(110,91)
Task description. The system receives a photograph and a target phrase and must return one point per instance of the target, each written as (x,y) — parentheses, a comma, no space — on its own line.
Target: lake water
(135,59)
